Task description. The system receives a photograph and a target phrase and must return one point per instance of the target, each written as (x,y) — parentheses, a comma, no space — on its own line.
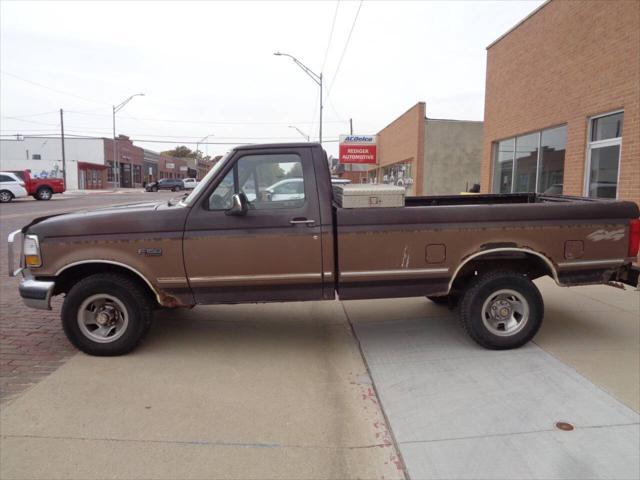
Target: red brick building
(172,167)
(562,106)
(130,161)
(427,156)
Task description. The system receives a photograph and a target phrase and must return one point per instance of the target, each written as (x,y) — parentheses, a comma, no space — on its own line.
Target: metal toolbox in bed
(368,195)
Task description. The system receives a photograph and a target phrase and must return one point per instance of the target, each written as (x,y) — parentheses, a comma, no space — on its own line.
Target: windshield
(205,181)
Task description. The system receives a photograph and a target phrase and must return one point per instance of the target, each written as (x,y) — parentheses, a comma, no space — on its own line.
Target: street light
(300,132)
(315,77)
(116,169)
(201,141)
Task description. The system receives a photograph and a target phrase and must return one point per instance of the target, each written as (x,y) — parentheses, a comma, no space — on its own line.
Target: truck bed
(420,248)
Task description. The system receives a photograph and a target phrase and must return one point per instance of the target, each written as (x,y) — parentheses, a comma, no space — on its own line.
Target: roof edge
(518,24)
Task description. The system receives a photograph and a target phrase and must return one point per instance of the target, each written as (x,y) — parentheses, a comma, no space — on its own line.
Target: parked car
(190,183)
(11,187)
(173,184)
(40,188)
(481,252)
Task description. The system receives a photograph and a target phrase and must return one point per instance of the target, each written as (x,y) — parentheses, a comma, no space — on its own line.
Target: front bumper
(34,293)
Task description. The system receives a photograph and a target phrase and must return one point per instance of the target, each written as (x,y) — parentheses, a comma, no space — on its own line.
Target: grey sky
(209,66)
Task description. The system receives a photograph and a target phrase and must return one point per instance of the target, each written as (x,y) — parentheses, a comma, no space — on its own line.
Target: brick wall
(403,141)
(569,61)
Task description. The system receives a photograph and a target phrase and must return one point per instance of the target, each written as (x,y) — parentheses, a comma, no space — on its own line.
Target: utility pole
(64,160)
(351,133)
(116,170)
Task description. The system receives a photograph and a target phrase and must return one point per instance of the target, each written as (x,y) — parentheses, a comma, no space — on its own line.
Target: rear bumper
(35,293)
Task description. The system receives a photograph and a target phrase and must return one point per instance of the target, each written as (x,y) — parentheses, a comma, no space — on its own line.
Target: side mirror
(239,205)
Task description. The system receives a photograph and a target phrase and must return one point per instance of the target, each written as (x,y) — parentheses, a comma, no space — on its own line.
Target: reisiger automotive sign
(358,149)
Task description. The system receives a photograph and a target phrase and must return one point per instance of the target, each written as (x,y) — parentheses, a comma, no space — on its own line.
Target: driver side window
(268,181)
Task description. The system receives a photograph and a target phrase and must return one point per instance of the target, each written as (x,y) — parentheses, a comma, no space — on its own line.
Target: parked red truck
(40,188)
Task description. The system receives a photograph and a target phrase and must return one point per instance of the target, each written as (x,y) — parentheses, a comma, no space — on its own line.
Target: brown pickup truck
(263,227)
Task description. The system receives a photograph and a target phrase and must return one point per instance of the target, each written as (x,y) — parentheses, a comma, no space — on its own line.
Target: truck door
(273,253)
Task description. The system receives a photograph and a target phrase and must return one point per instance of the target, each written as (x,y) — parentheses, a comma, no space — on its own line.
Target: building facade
(128,172)
(150,163)
(84,159)
(562,102)
(428,156)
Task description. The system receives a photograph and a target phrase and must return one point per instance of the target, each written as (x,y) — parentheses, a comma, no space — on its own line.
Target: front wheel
(502,310)
(106,314)
(44,193)
(5,196)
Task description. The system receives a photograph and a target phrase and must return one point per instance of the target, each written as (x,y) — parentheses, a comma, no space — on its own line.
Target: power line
(35,114)
(202,122)
(333,24)
(335,75)
(61,92)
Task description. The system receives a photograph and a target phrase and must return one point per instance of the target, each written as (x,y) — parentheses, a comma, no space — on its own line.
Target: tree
(181,152)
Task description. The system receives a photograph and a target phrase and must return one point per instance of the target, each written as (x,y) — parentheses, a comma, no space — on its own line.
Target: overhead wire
(61,92)
(344,50)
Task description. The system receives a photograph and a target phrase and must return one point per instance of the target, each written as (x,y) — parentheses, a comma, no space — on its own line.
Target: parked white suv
(11,187)
(189,183)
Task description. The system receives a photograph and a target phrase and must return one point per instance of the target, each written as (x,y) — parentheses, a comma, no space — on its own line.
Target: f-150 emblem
(613,235)
(150,252)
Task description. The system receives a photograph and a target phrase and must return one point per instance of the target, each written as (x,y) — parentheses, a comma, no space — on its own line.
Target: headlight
(31,251)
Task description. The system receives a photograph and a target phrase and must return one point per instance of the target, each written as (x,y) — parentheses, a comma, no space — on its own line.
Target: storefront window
(526,163)
(398,174)
(503,171)
(530,163)
(137,174)
(604,155)
(110,172)
(551,172)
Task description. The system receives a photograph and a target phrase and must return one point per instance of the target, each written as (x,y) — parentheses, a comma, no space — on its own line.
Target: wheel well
(528,264)
(44,187)
(69,277)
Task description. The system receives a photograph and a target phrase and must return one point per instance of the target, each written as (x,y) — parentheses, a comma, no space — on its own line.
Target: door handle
(301,221)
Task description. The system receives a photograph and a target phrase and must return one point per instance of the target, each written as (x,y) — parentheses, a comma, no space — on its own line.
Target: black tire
(519,296)
(174,189)
(154,189)
(5,196)
(44,193)
(133,297)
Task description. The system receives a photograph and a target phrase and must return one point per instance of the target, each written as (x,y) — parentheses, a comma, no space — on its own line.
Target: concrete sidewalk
(264,391)
(458,411)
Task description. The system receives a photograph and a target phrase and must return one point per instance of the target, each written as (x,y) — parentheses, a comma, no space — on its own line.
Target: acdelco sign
(358,149)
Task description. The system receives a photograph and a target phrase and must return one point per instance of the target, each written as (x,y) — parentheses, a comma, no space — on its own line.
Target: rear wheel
(5,196)
(502,310)
(106,314)
(44,193)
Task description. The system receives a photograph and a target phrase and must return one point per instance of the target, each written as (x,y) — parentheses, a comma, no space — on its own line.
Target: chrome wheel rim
(5,197)
(103,318)
(45,194)
(505,312)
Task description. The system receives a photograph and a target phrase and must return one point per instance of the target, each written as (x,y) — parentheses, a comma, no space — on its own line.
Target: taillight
(634,237)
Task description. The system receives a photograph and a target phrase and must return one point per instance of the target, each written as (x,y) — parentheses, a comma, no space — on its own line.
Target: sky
(208,69)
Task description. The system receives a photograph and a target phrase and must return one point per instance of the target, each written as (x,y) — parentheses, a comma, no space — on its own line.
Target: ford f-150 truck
(480,252)
(40,188)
